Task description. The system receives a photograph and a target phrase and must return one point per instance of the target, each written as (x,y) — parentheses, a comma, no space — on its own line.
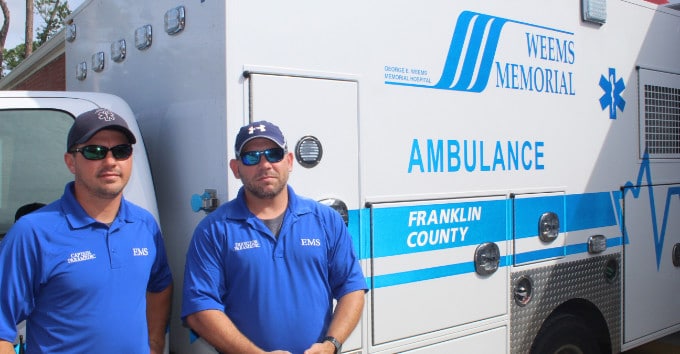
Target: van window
(32,169)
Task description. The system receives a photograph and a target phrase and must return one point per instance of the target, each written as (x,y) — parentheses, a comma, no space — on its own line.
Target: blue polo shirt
(278,292)
(80,284)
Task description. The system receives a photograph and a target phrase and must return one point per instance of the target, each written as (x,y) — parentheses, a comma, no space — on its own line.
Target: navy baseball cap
(261,129)
(89,123)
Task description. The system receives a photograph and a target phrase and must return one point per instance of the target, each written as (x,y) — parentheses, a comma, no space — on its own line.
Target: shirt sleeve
(19,277)
(203,280)
(161,276)
(345,274)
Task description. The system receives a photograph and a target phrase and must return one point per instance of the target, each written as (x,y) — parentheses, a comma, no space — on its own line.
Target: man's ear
(290,161)
(233,165)
(70,161)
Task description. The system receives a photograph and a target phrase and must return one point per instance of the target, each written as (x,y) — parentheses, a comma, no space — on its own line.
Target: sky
(17,13)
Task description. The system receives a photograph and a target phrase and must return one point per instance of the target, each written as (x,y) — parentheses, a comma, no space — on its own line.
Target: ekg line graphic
(645,171)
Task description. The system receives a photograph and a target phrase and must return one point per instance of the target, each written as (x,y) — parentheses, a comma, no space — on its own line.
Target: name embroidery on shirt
(238,246)
(310,242)
(81,256)
(140,251)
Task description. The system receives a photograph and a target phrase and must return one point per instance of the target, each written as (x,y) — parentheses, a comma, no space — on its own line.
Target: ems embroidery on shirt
(238,246)
(310,242)
(81,256)
(140,251)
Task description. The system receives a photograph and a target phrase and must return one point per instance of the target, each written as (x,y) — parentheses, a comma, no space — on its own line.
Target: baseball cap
(89,123)
(261,129)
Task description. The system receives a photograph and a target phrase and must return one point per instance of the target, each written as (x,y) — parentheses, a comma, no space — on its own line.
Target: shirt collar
(240,209)
(76,215)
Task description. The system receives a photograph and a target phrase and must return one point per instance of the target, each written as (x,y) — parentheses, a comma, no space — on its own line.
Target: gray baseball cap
(89,123)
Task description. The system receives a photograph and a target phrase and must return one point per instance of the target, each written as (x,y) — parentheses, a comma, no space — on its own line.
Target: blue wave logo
(480,50)
(471,57)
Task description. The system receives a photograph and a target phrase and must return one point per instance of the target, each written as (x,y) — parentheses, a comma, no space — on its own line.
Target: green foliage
(53,14)
(14,56)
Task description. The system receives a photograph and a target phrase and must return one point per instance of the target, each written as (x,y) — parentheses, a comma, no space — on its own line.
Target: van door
(32,145)
(32,170)
(34,127)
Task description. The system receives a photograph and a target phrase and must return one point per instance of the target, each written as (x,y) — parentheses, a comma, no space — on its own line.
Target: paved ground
(666,345)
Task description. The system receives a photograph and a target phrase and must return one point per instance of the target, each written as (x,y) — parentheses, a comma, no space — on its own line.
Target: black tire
(565,334)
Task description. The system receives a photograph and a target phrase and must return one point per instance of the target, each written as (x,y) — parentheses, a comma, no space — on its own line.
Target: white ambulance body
(510,173)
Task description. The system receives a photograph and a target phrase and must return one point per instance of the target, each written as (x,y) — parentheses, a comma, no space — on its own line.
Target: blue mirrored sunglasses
(252,158)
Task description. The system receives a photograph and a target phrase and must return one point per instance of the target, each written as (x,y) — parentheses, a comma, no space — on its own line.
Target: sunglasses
(252,158)
(98,152)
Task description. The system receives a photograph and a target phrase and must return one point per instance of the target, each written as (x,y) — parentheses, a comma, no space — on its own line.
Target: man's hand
(321,348)
(6,347)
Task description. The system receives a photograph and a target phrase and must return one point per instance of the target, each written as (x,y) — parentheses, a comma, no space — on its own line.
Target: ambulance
(509,172)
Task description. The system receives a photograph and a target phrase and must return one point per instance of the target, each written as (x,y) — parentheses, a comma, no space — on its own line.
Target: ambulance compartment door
(425,279)
(651,259)
(319,118)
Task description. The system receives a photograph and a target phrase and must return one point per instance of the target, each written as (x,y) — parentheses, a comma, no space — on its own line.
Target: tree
(53,13)
(28,38)
(3,32)
(14,56)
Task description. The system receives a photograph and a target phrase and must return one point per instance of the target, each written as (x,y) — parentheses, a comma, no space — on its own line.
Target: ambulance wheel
(565,333)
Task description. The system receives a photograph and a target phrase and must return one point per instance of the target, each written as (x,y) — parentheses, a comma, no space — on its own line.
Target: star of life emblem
(105,115)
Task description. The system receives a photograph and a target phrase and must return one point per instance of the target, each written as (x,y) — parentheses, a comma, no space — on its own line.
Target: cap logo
(252,130)
(105,115)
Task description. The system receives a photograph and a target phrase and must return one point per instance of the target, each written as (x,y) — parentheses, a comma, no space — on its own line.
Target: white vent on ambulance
(308,151)
(661,117)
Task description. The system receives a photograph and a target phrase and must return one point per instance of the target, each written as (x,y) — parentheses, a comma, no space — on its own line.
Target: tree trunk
(29,28)
(3,35)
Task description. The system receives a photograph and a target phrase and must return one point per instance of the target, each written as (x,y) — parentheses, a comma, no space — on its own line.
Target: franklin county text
(436,227)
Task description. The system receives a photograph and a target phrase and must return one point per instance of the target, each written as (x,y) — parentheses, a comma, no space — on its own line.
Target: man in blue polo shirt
(87,272)
(262,270)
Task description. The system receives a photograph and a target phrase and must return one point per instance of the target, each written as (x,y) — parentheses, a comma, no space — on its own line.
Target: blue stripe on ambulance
(577,212)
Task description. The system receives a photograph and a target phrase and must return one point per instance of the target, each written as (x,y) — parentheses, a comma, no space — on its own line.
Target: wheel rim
(569,349)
